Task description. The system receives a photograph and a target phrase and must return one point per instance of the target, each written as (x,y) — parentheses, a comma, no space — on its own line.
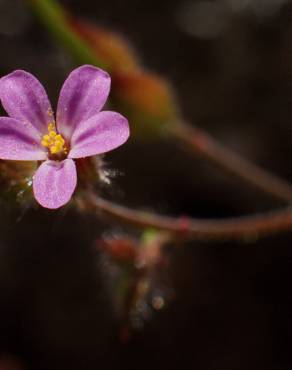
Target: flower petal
(19,141)
(100,134)
(82,96)
(54,183)
(24,98)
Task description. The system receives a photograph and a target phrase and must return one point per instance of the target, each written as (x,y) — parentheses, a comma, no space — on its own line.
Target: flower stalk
(206,146)
(240,228)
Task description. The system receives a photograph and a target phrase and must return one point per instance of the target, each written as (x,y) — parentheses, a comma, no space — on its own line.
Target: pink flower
(80,130)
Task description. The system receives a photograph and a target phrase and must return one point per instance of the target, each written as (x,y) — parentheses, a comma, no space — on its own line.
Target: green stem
(52,15)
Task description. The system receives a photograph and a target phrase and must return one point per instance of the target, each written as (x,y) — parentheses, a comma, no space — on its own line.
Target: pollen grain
(54,141)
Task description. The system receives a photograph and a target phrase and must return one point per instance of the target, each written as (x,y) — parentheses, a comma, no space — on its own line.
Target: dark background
(230,63)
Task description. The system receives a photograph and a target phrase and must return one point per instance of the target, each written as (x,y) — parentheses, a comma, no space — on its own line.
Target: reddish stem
(240,228)
(203,144)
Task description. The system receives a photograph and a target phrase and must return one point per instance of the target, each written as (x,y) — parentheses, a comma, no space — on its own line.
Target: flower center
(53,141)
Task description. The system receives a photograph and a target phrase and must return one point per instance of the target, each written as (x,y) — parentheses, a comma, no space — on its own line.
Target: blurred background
(226,305)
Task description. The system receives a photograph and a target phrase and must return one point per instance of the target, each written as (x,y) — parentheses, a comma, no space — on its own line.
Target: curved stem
(241,228)
(203,144)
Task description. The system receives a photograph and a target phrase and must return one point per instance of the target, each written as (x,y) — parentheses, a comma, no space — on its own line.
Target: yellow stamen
(53,141)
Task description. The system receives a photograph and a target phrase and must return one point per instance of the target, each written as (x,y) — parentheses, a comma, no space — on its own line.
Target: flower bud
(147,100)
(134,267)
(108,46)
(121,249)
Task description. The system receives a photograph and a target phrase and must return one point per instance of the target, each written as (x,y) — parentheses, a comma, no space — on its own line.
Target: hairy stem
(240,228)
(206,146)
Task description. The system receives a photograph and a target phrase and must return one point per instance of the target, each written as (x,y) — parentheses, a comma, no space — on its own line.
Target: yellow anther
(46,137)
(53,141)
